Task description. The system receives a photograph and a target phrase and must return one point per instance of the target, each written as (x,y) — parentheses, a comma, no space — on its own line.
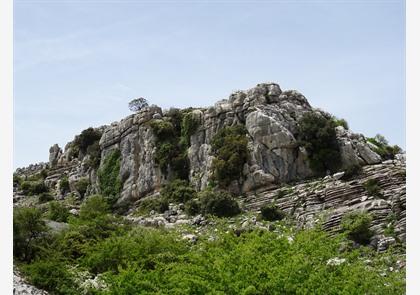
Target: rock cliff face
(270,116)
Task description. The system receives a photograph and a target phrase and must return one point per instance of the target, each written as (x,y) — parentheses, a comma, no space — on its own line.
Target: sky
(77,64)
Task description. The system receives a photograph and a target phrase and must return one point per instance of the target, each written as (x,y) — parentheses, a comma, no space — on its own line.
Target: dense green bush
(110,183)
(356,226)
(271,213)
(86,138)
(94,152)
(31,188)
(64,185)
(230,148)
(28,228)
(189,126)
(383,149)
(220,204)
(178,191)
(317,134)
(143,247)
(58,212)
(159,205)
(81,186)
(45,197)
(51,275)
(372,187)
(193,207)
(93,207)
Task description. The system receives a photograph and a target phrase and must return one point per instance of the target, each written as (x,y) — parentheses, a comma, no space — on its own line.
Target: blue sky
(78,63)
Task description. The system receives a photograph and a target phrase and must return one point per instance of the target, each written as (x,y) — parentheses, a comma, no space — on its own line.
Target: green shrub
(171,153)
(356,226)
(86,138)
(230,148)
(159,205)
(94,152)
(81,186)
(272,213)
(189,126)
(45,197)
(31,188)
(28,227)
(372,187)
(317,135)
(51,275)
(110,183)
(58,212)
(64,185)
(163,129)
(383,149)
(93,207)
(178,191)
(220,204)
(192,207)
(341,122)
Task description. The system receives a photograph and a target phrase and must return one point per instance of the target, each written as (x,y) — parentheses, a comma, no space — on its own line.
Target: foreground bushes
(28,228)
(151,261)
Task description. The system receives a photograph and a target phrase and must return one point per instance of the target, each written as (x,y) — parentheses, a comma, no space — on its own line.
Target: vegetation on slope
(128,259)
(230,149)
(317,134)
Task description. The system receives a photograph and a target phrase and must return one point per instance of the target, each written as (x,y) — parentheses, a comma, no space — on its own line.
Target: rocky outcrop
(270,116)
(329,199)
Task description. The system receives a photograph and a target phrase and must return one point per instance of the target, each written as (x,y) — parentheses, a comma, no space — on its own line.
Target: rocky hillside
(263,159)
(155,147)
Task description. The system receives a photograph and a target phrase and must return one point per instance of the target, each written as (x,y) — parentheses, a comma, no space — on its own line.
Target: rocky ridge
(276,160)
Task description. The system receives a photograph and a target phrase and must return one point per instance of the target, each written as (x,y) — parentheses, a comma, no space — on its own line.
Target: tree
(137,104)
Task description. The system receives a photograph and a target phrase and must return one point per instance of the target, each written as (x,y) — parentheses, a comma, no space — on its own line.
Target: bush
(230,148)
(272,213)
(159,205)
(31,188)
(94,152)
(110,183)
(93,207)
(341,122)
(189,126)
(64,184)
(383,149)
(372,187)
(192,207)
(58,212)
(178,191)
(220,204)
(317,135)
(81,186)
(86,138)
(356,226)
(28,227)
(45,197)
(51,275)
